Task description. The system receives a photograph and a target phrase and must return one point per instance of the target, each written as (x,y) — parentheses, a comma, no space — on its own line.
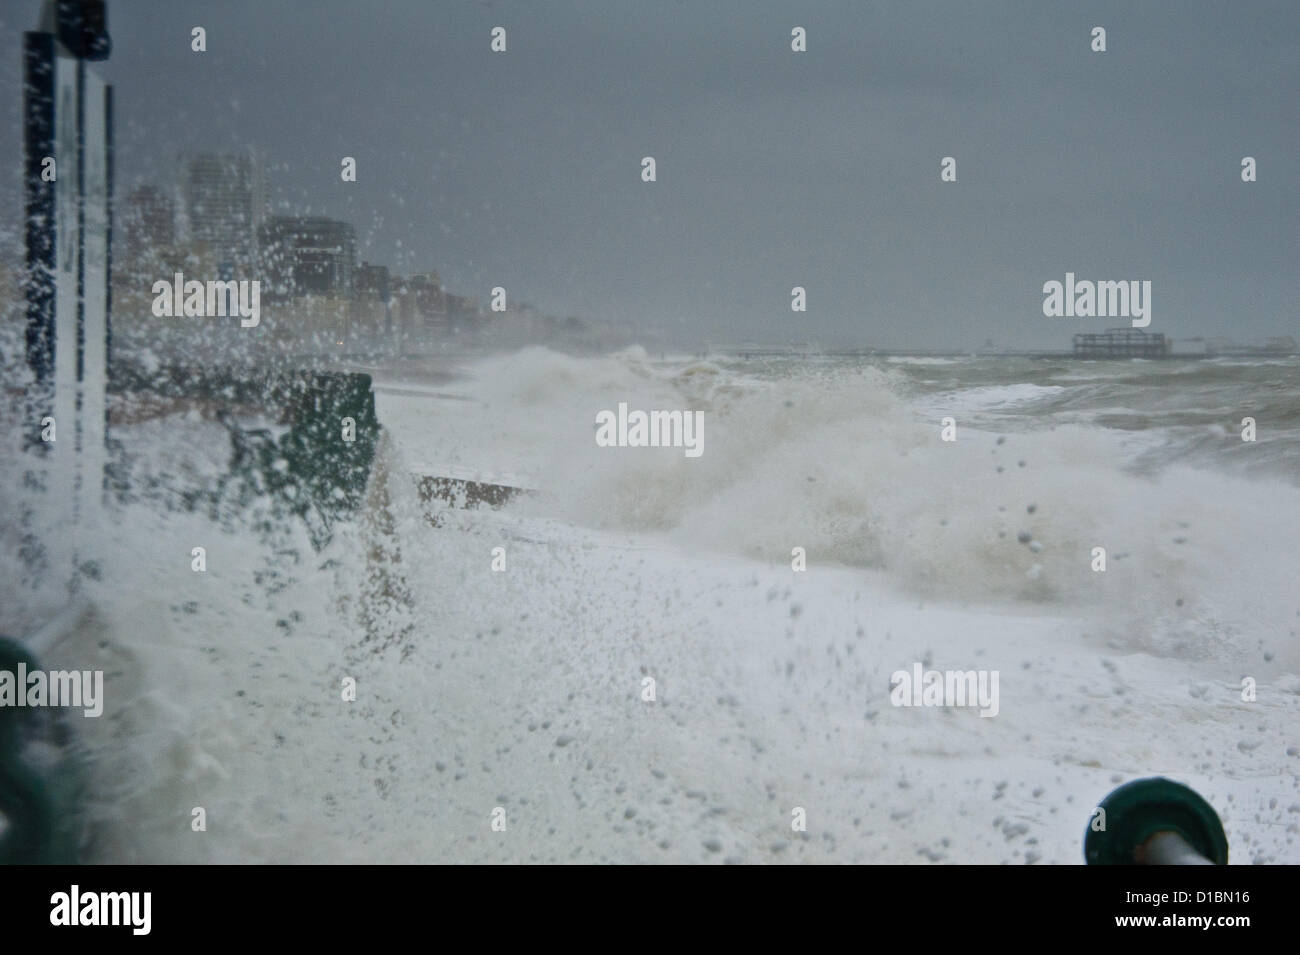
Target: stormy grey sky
(775,169)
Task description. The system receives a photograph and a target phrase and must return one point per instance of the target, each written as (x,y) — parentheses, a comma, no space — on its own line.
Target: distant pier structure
(1122,343)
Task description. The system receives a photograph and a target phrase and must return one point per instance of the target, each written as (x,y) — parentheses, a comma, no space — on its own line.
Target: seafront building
(223,202)
(307,256)
(216,224)
(149,221)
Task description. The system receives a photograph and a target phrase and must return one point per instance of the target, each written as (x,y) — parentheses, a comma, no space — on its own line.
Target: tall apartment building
(223,204)
(149,221)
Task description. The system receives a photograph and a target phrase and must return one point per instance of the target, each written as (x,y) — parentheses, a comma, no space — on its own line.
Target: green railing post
(1155,821)
(39,805)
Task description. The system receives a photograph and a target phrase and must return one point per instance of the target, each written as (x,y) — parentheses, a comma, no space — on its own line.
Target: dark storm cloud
(775,169)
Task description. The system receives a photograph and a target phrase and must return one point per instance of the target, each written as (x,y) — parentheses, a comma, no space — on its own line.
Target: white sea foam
(522,689)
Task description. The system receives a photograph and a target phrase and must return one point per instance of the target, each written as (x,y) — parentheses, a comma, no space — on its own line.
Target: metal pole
(1168,848)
